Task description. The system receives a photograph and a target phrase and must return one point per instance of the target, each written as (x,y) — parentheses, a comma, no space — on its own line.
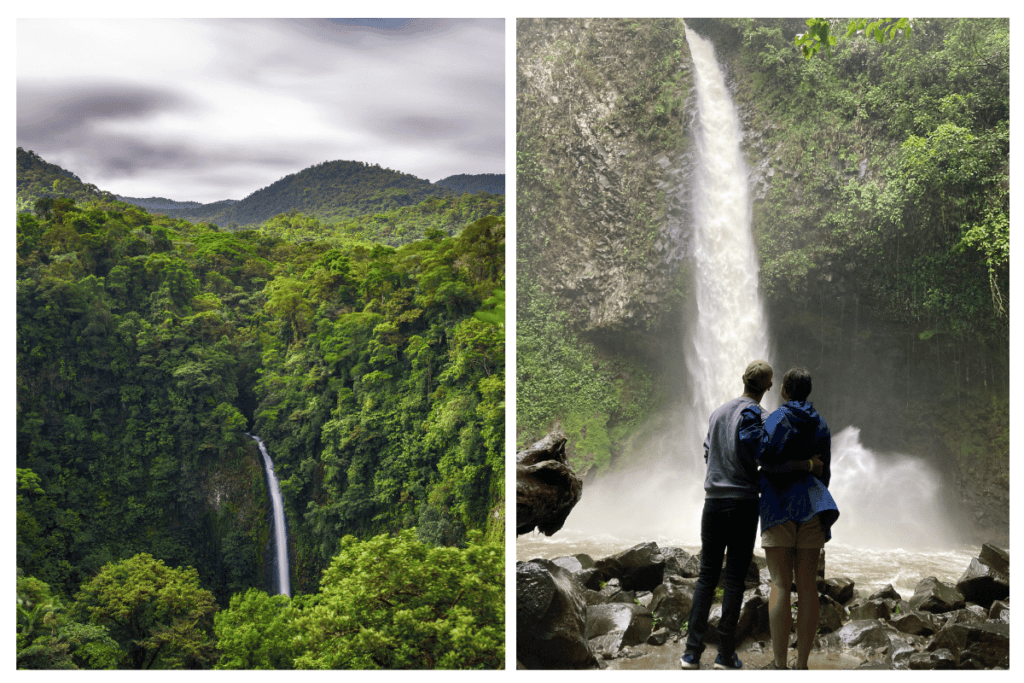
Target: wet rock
(641,567)
(546,487)
(590,578)
(983,646)
(995,557)
(983,584)
(999,611)
(932,595)
(753,619)
(692,567)
(863,633)
(551,618)
(633,621)
(831,614)
(672,602)
(915,623)
(575,563)
(900,649)
(676,560)
(887,593)
(839,588)
(940,659)
(972,614)
(659,637)
(872,609)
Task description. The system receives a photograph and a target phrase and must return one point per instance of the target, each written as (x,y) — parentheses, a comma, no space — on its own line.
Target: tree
(161,617)
(47,638)
(391,602)
(820,32)
(256,632)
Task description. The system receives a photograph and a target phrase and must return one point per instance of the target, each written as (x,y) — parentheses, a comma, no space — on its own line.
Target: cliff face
(602,113)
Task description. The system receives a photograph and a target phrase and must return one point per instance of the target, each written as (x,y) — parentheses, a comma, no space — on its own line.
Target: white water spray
(280,529)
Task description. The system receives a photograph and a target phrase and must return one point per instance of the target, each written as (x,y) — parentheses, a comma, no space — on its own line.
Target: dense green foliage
(390,602)
(148,345)
(465,183)
(395,227)
(562,379)
(40,180)
(925,231)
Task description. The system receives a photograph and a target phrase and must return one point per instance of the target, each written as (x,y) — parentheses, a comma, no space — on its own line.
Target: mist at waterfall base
(893,526)
(280,527)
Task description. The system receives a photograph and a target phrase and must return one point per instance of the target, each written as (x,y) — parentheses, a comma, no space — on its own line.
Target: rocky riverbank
(629,610)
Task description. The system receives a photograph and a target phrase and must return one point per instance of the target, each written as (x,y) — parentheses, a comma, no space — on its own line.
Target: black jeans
(725,523)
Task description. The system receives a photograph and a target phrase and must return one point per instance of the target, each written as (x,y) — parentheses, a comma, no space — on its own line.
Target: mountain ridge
(330,190)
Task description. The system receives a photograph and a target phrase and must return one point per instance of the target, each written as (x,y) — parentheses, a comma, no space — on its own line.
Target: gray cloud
(216,109)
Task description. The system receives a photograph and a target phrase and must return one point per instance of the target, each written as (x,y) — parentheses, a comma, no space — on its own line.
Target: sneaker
(732,662)
(689,661)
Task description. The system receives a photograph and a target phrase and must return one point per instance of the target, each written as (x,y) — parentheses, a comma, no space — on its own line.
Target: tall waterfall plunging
(892,527)
(730,329)
(280,529)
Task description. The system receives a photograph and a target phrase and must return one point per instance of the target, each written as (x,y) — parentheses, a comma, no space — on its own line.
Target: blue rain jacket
(796,432)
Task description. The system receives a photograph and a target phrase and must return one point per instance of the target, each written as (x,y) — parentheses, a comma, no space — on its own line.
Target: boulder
(976,646)
(996,558)
(863,633)
(983,584)
(940,659)
(672,602)
(546,487)
(999,611)
(676,560)
(887,593)
(915,623)
(871,609)
(575,563)
(659,637)
(641,567)
(932,595)
(633,622)
(753,619)
(839,588)
(831,614)
(551,618)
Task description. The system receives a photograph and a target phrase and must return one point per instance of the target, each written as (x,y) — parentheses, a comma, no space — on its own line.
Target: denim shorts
(792,534)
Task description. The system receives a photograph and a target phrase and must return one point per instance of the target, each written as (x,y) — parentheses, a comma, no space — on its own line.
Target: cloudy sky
(203,110)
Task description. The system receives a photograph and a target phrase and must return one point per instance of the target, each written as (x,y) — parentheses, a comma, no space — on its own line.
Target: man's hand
(817,466)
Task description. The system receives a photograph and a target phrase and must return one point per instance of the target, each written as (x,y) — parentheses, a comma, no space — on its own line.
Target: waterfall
(280,529)
(660,498)
(731,328)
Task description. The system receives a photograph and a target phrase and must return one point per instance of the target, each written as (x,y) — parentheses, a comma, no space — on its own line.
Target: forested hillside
(494,183)
(147,346)
(880,179)
(329,191)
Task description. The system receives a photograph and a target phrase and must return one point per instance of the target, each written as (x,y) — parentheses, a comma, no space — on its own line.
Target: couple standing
(789,494)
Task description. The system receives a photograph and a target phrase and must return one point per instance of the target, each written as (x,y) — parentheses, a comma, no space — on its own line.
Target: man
(730,516)
(797,513)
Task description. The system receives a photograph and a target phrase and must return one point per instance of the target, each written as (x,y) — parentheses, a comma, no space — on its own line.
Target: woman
(797,513)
